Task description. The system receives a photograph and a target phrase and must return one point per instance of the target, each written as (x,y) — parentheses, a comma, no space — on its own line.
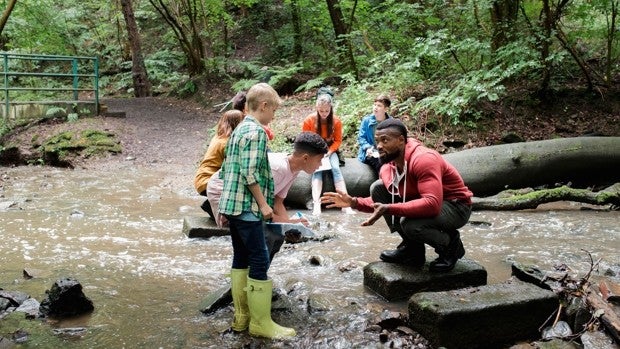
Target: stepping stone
(202,227)
(489,316)
(205,227)
(395,282)
(216,300)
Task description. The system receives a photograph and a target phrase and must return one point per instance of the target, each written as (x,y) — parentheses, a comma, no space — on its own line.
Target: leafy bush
(55,112)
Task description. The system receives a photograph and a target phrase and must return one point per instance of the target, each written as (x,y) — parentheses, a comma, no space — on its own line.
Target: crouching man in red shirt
(421,196)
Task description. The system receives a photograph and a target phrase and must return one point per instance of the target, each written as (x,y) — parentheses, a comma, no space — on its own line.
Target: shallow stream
(120,234)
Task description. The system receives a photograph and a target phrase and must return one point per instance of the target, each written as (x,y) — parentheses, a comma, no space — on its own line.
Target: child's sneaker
(317,209)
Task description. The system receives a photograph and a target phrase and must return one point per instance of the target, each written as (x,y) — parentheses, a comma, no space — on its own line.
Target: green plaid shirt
(245,163)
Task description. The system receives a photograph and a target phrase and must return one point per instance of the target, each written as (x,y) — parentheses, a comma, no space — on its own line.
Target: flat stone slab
(202,227)
(205,227)
(489,316)
(216,300)
(394,281)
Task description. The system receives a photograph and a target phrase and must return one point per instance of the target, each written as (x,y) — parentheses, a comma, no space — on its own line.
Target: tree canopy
(439,59)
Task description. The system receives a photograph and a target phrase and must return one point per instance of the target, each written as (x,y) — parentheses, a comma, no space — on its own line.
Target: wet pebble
(350,265)
(77,214)
(316,260)
(71,331)
(373,328)
(383,336)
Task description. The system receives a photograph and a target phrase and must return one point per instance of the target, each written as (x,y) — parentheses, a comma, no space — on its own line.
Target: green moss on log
(86,144)
(529,198)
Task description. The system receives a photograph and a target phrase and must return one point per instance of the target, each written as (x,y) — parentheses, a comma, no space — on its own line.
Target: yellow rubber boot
(259,301)
(238,282)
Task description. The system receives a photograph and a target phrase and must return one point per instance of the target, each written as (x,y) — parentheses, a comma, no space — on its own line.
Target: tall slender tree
(503,15)
(6,14)
(141,84)
(341,30)
(183,17)
(297,33)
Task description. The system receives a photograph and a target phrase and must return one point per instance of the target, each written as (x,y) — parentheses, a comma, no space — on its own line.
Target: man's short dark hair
(394,124)
(311,143)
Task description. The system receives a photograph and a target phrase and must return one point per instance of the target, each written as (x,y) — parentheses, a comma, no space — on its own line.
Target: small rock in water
(77,214)
(185,209)
(383,337)
(373,328)
(19,336)
(316,260)
(597,340)
(560,330)
(70,331)
(293,236)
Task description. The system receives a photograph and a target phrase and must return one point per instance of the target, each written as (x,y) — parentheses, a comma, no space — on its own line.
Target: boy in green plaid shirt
(247,201)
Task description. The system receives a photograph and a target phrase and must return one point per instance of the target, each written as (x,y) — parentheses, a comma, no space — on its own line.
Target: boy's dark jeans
(249,247)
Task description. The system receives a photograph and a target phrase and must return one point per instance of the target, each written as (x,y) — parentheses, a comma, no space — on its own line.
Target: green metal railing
(11,78)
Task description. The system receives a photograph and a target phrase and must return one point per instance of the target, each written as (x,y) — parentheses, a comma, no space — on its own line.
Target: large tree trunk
(611,35)
(6,14)
(341,31)
(187,35)
(297,34)
(141,84)
(503,15)
(582,161)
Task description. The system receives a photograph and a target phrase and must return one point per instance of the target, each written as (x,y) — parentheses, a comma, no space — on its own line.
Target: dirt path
(163,134)
(158,131)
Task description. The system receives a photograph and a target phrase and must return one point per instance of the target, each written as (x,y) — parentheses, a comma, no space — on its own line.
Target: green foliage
(359,101)
(162,71)
(433,57)
(4,129)
(276,76)
(187,88)
(162,68)
(72,117)
(279,75)
(56,112)
(311,84)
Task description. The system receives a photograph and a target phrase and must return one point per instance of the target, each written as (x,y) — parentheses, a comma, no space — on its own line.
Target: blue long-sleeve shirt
(366,135)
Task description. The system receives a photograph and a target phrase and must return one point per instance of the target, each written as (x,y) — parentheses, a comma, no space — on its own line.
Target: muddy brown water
(120,234)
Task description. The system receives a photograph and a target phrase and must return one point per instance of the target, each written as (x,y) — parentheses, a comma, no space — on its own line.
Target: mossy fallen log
(582,161)
(529,198)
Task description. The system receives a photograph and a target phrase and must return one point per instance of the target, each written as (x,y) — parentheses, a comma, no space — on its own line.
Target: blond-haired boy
(247,201)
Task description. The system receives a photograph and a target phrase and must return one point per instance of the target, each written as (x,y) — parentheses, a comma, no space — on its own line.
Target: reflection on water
(119,234)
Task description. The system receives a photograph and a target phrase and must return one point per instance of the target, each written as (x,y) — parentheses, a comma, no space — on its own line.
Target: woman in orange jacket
(328,126)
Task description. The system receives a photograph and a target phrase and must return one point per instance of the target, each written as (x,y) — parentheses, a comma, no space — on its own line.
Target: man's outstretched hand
(378,213)
(340,199)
